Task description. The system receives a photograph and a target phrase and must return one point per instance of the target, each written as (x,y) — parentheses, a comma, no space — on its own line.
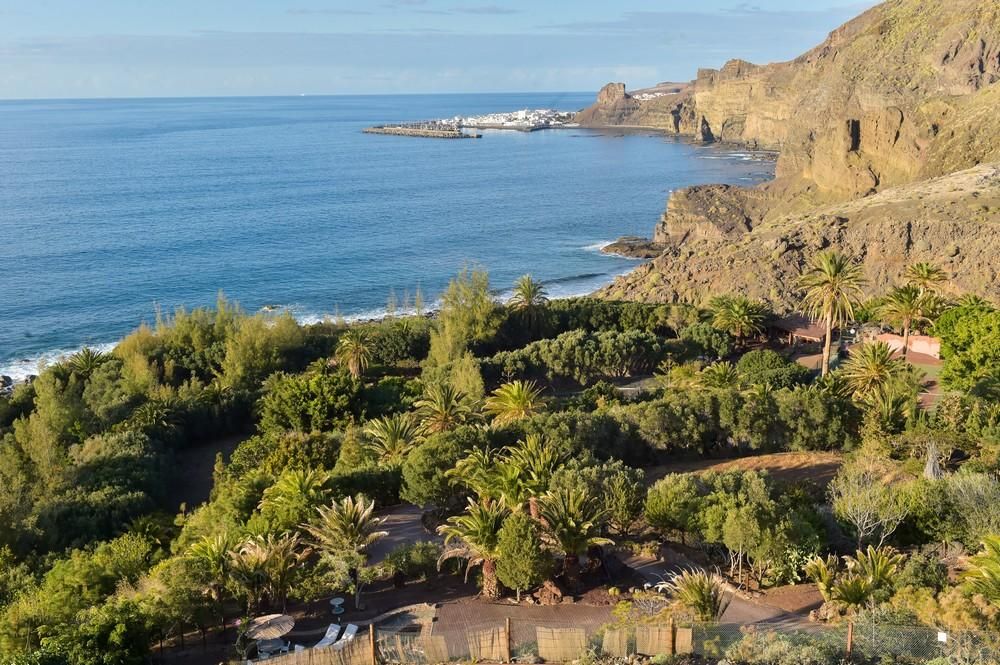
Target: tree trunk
(491,586)
(533,509)
(827,342)
(571,571)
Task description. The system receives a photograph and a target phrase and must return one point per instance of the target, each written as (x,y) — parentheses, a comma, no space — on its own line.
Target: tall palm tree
(832,285)
(346,525)
(443,408)
(248,571)
(354,351)
(740,316)
(514,401)
(925,276)
(572,521)
(211,556)
(284,554)
(536,459)
(527,293)
(477,531)
(870,368)
(904,306)
(392,437)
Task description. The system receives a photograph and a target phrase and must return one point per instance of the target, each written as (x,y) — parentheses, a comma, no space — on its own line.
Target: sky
(176,48)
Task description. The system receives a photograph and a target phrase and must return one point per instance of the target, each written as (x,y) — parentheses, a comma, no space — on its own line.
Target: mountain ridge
(905,92)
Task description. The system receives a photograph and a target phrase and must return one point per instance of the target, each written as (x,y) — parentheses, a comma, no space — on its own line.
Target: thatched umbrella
(270,627)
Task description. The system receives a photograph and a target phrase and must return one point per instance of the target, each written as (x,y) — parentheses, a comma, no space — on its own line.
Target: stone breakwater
(429,131)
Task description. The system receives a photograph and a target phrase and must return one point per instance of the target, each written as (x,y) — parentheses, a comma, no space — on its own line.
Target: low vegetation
(507,424)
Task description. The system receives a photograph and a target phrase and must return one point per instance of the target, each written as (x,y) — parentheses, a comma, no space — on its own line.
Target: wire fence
(524,641)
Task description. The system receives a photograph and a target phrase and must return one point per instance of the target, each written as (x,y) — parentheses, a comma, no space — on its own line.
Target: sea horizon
(281,202)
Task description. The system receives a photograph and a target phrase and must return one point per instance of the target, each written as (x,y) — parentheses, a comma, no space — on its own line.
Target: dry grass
(818,467)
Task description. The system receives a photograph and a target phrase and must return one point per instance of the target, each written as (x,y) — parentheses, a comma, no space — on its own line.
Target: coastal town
(463,127)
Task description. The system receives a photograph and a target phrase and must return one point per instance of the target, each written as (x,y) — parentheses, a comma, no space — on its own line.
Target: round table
(337,605)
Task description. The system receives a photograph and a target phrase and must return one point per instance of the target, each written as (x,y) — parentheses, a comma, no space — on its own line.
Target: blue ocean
(112,209)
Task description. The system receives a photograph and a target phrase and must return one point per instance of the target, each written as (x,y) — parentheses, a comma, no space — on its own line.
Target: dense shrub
(705,340)
(766,367)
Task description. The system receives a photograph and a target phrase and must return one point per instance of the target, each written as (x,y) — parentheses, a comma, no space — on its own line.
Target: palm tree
(869,577)
(906,305)
(85,362)
(527,293)
(211,556)
(514,401)
(572,521)
(346,525)
(248,571)
(284,555)
(392,437)
(719,375)
(832,286)
(925,276)
(824,573)
(354,351)
(971,300)
(870,368)
(983,574)
(443,408)
(477,531)
(536,460)
(740,316)
(475,471)
(298,491)
(700,591)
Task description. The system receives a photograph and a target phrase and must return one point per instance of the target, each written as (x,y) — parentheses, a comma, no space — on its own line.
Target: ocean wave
(20,369)
(597,246)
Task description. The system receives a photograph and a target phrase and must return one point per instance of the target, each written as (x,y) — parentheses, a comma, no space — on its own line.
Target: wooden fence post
(850,638)
(673,637)
(506,640)
(371,643)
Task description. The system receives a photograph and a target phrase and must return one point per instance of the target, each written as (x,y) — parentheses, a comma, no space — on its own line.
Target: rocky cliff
(906,92)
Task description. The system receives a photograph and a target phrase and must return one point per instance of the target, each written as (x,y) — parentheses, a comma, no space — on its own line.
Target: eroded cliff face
(952,221)
(906,93)
(862,111)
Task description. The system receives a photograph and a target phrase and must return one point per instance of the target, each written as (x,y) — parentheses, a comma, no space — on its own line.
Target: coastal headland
(895,162)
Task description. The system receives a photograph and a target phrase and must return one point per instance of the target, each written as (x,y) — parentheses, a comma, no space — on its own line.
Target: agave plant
(477,532)
(700,591)
(824,573)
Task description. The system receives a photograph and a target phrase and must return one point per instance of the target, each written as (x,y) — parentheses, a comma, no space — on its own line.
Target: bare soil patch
(817,467)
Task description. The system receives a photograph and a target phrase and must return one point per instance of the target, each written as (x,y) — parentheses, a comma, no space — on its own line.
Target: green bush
(765,367)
